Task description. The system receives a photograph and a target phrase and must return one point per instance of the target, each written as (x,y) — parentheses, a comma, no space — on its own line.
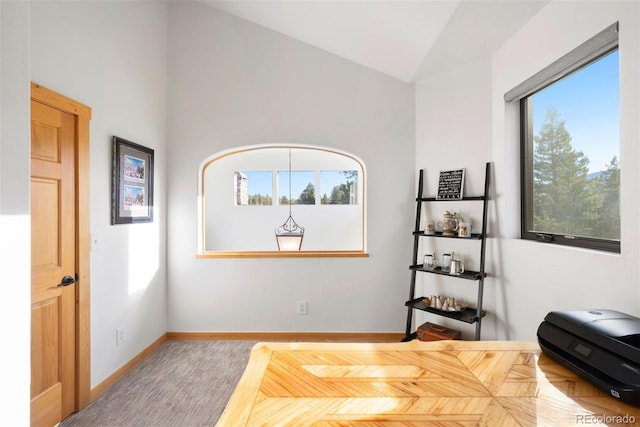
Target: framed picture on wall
(132,183)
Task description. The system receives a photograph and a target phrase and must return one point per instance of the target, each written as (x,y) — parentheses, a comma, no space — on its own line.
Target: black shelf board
(467,315)
(434,199)
(468,274)
(474,236)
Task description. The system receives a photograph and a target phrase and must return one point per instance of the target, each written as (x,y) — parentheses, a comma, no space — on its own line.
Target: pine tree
(308,195)
(284,200)
(608,223)
(259,199)
(565,200)
(340,195)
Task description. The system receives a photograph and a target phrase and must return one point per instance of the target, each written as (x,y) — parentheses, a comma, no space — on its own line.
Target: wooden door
(53,256)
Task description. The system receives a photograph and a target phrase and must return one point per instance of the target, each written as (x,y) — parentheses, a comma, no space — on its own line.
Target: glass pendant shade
(289,242)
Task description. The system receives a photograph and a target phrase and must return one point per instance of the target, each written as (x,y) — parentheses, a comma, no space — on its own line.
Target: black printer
(602,346)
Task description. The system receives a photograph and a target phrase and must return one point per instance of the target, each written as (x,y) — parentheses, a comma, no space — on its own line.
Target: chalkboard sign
(450,184)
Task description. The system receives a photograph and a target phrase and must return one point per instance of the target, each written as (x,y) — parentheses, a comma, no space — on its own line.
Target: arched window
(247,192)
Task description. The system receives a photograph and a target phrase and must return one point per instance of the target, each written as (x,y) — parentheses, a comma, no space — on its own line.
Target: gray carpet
(181,384)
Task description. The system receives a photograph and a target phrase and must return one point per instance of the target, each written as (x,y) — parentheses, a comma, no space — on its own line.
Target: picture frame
(132,183)
(451,184)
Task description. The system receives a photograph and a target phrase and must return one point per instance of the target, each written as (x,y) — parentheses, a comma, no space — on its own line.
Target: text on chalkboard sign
(450,184)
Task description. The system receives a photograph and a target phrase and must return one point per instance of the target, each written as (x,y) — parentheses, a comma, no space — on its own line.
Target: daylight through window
(245,194)
(256,188)
(571,153)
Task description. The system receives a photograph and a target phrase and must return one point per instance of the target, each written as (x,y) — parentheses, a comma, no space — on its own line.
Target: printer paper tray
(624,392)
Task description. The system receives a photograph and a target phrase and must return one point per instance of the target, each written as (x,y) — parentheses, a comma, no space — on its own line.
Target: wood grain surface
(444,383)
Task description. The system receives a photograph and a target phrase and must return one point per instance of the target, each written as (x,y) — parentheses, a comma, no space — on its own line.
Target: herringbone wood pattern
(443,383)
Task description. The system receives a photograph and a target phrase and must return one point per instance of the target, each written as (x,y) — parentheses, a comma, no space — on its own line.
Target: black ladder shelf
(468,314)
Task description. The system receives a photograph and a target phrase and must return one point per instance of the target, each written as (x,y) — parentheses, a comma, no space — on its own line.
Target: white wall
(331,227)
(453,130)
(233,83)
(15,223)
(464,110)
(111,56)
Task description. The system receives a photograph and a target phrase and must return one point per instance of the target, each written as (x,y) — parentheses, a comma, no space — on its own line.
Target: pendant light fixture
(289,235)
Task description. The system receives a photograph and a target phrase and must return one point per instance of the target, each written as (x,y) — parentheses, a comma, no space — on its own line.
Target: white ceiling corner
(406,39)
(476,30)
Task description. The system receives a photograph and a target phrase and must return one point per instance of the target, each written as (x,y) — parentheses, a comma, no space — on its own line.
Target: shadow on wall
(497,266)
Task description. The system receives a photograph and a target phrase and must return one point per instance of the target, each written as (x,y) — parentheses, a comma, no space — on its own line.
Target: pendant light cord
(289,181)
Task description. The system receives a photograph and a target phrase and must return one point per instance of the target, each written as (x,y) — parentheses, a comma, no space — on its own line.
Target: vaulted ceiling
(406,39)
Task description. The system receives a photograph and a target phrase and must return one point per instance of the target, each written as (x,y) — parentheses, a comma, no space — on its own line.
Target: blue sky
(589,103)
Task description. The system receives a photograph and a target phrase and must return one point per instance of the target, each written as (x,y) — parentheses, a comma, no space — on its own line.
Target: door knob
(67,280)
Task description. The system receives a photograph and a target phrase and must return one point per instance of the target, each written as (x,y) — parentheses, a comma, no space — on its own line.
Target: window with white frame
(336,187)
(245,193)
(253,188)
(570,147)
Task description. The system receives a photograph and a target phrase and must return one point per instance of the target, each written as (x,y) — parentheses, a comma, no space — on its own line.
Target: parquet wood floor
(440,383)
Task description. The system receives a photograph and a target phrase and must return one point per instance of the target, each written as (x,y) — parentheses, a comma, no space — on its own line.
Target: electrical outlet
(119,335)
(303,307)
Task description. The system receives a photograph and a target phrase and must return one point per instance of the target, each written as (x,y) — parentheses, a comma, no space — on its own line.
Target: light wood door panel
(53,255)
(45,411)
(45,344)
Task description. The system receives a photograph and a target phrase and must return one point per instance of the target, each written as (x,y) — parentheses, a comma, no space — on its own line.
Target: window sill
(284,254)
